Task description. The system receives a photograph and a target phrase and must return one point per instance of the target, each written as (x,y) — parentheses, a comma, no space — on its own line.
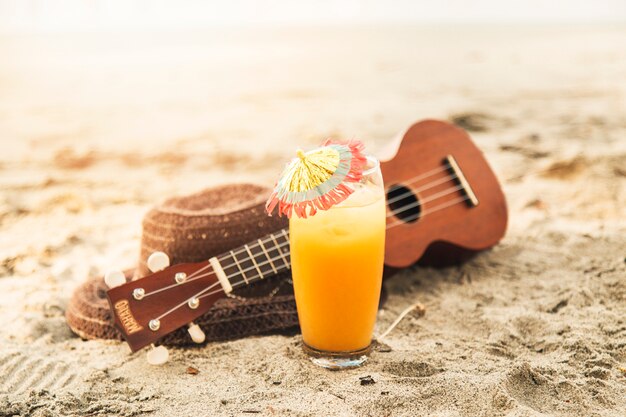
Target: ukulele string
(393,213)
(241,282)
(203,294)
(197,272)
(389,226)
(200,293)
(426,200)
(430,173)
(176,307)
(419,190)
(260,243)
(242,272)
(425,187)
(169,287)
(194,276)
(392,225)
(427,212)
(190,278)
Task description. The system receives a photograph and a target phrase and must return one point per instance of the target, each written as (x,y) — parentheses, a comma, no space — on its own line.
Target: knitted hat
(195,228)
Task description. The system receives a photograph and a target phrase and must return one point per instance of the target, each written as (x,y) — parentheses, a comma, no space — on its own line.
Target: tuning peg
(158,261)
(157,355)
(114,278)
(196,333)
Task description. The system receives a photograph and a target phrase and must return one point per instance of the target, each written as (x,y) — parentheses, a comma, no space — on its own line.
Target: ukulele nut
(180,277)
(139,293)
(154,324)
(194,303)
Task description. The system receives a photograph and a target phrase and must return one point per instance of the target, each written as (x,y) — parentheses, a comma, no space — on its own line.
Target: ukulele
(440,192)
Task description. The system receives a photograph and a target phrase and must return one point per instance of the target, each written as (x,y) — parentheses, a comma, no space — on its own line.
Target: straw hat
(194,228)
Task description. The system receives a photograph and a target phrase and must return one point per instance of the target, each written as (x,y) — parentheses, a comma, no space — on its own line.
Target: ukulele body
(438,229)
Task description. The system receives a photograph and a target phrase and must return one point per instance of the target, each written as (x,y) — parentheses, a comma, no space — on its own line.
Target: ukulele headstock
(149,308)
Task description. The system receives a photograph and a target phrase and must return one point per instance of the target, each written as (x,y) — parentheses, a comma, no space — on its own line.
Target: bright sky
(29,16)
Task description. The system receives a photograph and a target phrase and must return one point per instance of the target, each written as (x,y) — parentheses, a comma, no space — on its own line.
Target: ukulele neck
(253,262)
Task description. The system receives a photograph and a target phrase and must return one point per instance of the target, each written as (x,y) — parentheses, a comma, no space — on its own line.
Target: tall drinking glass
(337,264)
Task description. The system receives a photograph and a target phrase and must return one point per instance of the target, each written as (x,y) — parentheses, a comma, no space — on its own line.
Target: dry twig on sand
(421,310)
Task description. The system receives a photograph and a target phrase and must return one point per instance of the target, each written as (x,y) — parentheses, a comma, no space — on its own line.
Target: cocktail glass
(337,264)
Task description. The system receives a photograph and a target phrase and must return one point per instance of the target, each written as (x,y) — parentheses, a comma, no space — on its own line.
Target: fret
(229,266)
(279,250)
(252,270)
(267,256)
(286,249)
(264,264)
(232,254)
(256,265)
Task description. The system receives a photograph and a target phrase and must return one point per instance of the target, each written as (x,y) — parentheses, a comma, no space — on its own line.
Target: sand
(95,129)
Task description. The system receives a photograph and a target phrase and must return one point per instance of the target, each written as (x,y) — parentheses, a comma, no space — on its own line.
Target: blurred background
(155,76)
(108,107)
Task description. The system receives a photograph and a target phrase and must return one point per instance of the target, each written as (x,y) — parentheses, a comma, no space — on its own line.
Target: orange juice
(337,261)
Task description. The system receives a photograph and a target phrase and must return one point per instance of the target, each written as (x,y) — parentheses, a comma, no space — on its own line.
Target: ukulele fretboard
(256,260)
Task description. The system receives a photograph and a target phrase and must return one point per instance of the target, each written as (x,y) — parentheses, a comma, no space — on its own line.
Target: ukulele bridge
(472,200)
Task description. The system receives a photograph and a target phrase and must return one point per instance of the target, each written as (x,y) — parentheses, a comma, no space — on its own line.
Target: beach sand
(97,128)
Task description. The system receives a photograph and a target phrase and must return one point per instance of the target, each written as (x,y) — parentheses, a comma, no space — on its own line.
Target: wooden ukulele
(441,193)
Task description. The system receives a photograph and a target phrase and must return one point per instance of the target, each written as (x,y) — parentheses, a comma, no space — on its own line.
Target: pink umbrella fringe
(335,196)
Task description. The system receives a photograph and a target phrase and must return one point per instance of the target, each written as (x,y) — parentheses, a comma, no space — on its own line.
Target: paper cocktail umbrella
(316,180)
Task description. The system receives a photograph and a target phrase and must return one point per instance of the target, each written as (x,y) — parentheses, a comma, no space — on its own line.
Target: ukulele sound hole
(403,203)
